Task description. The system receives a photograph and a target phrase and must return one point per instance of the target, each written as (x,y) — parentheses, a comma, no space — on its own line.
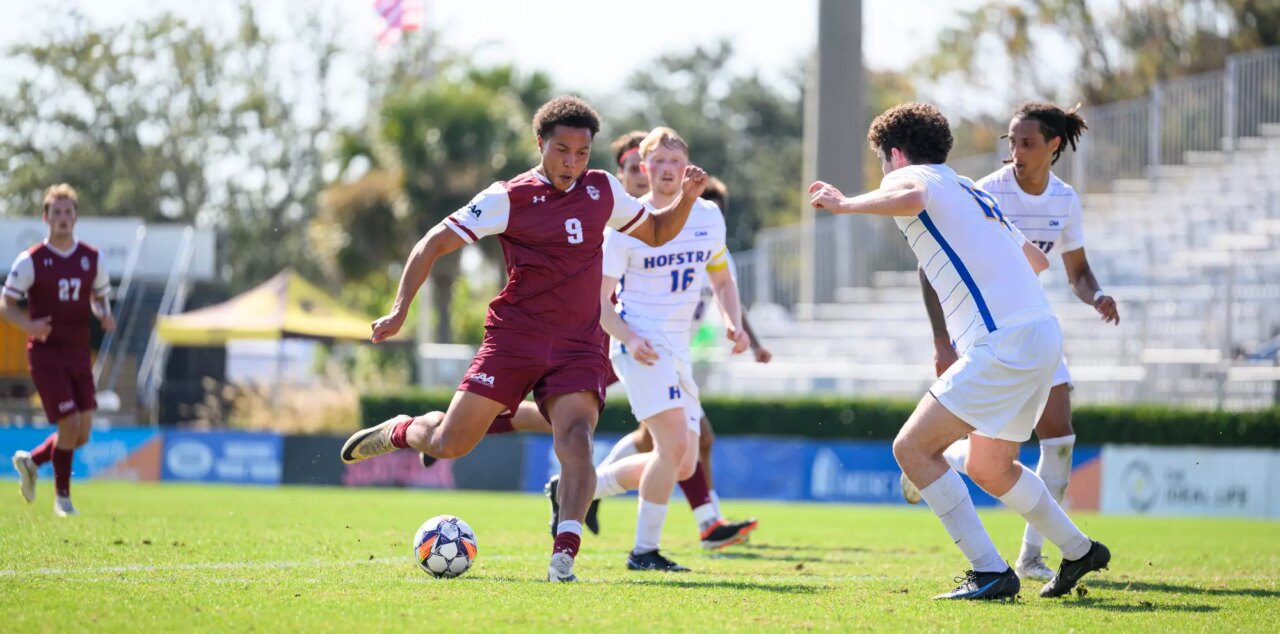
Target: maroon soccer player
(63,281)
(542,333)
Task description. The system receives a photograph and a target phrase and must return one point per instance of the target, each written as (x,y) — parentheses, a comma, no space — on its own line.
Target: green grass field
(179,558)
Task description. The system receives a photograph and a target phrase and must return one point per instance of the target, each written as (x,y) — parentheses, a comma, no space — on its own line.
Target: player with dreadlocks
(1047,211)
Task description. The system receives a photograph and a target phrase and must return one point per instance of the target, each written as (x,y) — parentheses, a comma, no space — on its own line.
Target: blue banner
(782,468)
(227,457)
(129,454)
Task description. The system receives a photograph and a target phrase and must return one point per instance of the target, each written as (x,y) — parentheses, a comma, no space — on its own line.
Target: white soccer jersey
(971,256)
(660,286)
(1051,221)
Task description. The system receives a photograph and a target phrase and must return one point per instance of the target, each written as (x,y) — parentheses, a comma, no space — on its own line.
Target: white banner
(114,238)
(1190,481)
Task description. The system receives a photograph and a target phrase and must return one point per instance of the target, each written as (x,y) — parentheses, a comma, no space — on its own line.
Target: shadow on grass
(676,582)
(673,581)
(1111,605)
(750,556)
(1146,586)
(797,547)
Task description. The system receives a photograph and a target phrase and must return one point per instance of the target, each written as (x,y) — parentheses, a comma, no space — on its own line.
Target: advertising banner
(1199,481)
(118,454)
(227,457)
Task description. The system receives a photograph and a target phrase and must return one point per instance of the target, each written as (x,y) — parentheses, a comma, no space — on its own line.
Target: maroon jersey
(552,243)
(59,285)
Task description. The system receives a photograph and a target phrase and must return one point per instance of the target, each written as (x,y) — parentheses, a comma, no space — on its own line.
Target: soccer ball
(445,547)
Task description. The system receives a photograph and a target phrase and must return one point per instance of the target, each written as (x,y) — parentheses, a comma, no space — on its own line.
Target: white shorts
(1062,375)
(667,384)
(1001,384)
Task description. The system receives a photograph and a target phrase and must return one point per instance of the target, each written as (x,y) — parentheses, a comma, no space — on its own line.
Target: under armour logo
(48,261)
(539,199)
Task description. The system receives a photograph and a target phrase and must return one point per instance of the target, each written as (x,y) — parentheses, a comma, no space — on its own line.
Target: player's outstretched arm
(944,354)
(1086,287)
(899,197)
(725,289)
(438,242)
(636,346)
(664,224)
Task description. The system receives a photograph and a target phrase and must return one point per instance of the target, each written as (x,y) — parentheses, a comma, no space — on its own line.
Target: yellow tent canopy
(284,306)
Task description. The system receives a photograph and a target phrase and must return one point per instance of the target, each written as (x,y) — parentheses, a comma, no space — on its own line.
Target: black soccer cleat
(552,490)
(592,521)
(985,586)
(426,460)
(1070,572)
(652,560)
(723,533)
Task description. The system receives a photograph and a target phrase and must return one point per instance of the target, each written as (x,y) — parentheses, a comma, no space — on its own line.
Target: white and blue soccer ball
(445,547)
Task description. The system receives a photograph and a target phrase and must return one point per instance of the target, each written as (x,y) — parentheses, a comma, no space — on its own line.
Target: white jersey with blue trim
(971,255)
(661,286)
(1052,220)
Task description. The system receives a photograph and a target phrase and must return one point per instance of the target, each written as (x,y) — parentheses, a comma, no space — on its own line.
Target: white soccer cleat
(561,568)
(370,442)
(1033,567)
(62,507)
(27,474)
(909,491)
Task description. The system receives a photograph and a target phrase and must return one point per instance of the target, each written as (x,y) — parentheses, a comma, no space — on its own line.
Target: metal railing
(109,340)
(1127,141)
(151,369)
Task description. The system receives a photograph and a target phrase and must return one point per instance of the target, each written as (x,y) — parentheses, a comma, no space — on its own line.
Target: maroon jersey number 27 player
(542,334)
(64,282)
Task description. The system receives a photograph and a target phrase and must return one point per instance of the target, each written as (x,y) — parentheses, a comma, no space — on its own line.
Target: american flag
(401,16)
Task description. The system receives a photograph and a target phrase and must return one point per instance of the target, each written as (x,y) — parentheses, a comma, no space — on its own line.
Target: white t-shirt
(1052,220)
(661,286)
(971,256)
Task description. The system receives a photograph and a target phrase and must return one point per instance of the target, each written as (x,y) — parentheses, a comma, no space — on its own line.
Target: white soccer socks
(949,499)
(649,520)
(1030,498)
(1055,470)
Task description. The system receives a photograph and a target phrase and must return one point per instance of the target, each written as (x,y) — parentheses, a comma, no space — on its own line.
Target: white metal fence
(1127,140)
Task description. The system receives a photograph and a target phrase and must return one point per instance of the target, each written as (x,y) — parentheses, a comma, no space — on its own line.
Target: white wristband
(1098,295)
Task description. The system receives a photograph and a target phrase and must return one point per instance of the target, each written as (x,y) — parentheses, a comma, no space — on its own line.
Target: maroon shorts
(64,380)
(512,364)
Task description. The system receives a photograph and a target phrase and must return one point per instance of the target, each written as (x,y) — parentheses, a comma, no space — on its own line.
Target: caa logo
(481,378)
(66,406)
(593,192)
(700,234)
(1055,223)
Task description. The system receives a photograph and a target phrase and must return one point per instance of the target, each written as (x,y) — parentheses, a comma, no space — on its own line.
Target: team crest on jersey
(482,378)
(84,262)
(593,192)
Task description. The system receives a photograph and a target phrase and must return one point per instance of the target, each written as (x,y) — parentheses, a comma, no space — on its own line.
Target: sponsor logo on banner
(1187,481)
(232,457)
(117,454)
(830,480)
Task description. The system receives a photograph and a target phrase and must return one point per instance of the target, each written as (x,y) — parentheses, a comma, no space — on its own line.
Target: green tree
(172,122)
(1118,49)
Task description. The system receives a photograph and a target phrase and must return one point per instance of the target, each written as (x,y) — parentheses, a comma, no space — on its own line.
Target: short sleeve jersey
(661,287)
(59,285)
(552,242)
(1051,220)
(971,255)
